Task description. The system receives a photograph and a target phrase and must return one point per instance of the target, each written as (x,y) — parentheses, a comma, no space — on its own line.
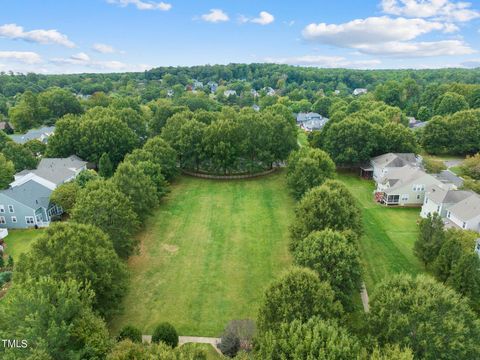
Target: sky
(73,36)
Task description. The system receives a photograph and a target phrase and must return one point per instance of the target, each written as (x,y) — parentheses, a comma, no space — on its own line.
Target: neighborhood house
(26,203)
(41,134)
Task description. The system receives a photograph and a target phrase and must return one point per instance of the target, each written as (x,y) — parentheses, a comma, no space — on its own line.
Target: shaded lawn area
(210,352)
(208,253)
(20,241)
(302,138)
(390,232)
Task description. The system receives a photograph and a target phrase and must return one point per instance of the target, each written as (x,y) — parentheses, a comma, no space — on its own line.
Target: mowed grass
(208,253)
(20,241)
(390,232)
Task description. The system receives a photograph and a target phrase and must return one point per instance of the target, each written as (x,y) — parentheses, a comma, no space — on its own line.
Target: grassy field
(208,253)
(387,246)
(19,241)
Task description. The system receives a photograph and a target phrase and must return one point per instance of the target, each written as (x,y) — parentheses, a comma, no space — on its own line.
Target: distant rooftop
(40,134)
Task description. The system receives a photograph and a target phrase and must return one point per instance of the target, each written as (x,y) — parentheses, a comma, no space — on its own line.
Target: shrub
(131,333)
(230,343)
(433,166)
(5,277)
(166,333)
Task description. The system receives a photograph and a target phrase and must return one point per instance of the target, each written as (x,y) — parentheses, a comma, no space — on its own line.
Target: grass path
(390,232)
(208,253)
(20,241)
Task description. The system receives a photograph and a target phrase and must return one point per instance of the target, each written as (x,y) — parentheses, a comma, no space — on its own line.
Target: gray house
(439,199)
(27,202)
(26,206)
(41,134)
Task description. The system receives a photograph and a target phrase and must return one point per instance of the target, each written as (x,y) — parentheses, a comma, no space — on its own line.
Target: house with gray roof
(359,91)
(465,214)
(304,117)
(26,206)
(381,165)
(26,203)
(404,186)
(440,198)
(41,134)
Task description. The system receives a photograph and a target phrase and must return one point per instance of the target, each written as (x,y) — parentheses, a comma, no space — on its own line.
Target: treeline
(361,128)
(229,142)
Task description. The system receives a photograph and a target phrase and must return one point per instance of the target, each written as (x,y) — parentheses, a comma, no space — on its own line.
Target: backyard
(390,232)
(20,241)
(208,253)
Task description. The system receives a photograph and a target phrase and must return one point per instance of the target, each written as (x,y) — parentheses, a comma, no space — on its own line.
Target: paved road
(364,295)
(190,339)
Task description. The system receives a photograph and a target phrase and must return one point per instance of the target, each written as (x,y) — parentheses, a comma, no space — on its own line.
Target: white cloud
(440,9)
(16,32)
(388,36)
(83,59)
(215,16)
(418,49)
(264,18)
(143,5)
(26,57)
(371,30)
(103,48)
(325,61)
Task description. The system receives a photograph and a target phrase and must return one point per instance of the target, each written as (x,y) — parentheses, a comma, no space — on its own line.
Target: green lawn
(19,241)
(209,351)
(208,253)
(302,138)
(387,245)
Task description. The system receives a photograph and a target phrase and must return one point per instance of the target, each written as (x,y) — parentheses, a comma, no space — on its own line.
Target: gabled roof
(34,134)
(442,195)
(468,208)
(31,194)
(395,160)
(398,177)
(54,170)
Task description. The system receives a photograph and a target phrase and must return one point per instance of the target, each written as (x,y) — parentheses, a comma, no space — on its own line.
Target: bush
(166,333)
(131,333)
(433,166)
(230,343)
(5,277)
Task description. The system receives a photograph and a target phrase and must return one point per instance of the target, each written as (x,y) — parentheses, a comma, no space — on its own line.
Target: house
(304,117)
(254,93)
(381,165)
(213,86)
(269,91)
(416,124)
(256,107)
(197,85)
(359,91)
(6,127)
(228,93)
(314,124)
(448,177)
(439,199)
(170,92)
(26,203)
(41,134)
(404,186)
(26,206)
(477,246)
(465,214)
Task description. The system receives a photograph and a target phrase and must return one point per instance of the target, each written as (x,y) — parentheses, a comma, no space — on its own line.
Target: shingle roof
(33,134)
(440,195)
(31,194)
(395,160)
(449,177)
(468,208)
(58,170)
(398,177)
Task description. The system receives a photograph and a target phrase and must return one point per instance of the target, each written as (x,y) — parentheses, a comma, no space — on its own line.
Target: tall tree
(102,204)
(56,318)
(297,295)
(105,166)
(7,170)
(426,316)
(430,238)
(80,252)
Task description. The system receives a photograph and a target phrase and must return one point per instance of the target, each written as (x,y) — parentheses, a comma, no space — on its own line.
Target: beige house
(404,186)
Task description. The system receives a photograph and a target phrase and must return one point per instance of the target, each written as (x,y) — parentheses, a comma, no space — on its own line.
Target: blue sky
(52,36)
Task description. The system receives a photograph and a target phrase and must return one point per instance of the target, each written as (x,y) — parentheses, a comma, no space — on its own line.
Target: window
(438,209)
(2,209)
(418,197)
(404,197)
(2,220)
(414,187)
(11,209)
(14,219)
(30,220)
(448,214)
(464,225)
(426,200)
